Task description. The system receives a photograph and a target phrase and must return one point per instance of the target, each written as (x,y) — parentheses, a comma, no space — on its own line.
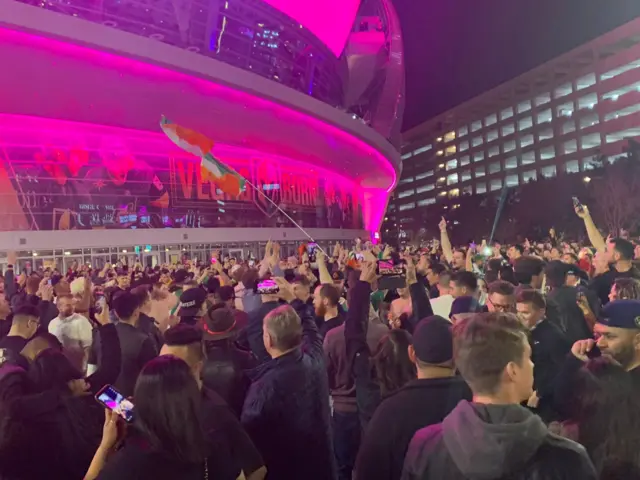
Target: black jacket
(549,348)
(418,404)
(488,442)
(224,372)
(52,434)
(253,331)
(286,412)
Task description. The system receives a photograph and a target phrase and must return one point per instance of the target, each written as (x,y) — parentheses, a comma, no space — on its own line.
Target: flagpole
(284,213)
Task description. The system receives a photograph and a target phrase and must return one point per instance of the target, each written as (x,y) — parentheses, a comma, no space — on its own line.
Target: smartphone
(576,204)
(49,282)
(252,263)
(110,398)
(213,260)
(594,353)
(388,268)
(311,251)
(359,257)
(267,287)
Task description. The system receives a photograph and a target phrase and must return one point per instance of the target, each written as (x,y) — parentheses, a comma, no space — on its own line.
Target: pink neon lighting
(378,197)
(329,20)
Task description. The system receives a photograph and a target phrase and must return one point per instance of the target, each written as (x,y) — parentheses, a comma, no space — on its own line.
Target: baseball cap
(191,302)
(219,323)
(432,340)
(621,314)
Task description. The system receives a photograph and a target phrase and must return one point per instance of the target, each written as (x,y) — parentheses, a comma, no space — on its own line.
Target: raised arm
(595,237)
(421,306)
(445,242)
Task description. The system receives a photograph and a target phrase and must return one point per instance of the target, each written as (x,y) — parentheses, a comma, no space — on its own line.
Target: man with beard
(326,302)
(617,335)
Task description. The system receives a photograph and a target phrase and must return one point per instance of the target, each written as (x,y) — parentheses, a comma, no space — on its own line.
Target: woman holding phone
(166,439)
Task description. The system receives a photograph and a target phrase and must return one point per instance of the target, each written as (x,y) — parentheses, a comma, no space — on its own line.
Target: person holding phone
(169,441)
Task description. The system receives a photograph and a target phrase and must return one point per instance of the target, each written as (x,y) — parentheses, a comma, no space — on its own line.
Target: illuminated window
(549,171)
(452,179)
(493,151)
(462,131)
(449,136)
(506,113)
(572,166)
(524,106)
(465,160)
(512,180)
(480,172)
(509,146)
(508,129)
(463,146)
(620,70)
(544,116)
(563,90)
(589,120)
(588,101)
(425,188)
(622,113)
(622,135)
(466,175)
(406,206)
(586,81)
(450,150)
(542,99)
(420,150)
(587,163)
(571,146)
(478,156)
(548,153)
(564,110)
(490,120)
(545,134)
(526,140)
(406,180)
(452,164)
(481,187)
(494,167)
(406,193)
(468,190)
(528,158)
(492,135)
(476,141)
(619,92)
(454,193)
(406,155)
(426,201)
(495,184)
(428,173)
(511,163)
(440,153)
(525,123)
(475,126)
(530,176)
(568,127)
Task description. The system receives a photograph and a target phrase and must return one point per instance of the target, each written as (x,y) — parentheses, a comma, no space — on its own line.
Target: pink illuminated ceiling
(329,20)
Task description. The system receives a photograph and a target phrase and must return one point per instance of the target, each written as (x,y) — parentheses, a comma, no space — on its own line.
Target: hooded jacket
(491,442)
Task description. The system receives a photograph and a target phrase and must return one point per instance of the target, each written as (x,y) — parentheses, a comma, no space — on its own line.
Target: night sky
(457,49)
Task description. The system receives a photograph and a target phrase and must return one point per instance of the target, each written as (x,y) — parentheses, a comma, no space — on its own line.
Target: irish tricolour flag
(225,178)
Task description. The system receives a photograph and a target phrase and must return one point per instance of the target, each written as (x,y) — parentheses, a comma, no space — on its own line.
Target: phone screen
(268,287)
(387,267)
(110,398)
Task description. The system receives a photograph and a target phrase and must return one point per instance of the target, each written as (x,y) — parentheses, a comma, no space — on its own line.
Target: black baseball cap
(621,314)
(432,340)
(181,276)
(191,302)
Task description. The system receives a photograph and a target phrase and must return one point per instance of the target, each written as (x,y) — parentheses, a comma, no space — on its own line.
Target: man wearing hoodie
(421,402)
(493,436)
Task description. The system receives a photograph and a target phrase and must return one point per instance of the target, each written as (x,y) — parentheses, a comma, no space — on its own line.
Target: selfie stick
(503,199)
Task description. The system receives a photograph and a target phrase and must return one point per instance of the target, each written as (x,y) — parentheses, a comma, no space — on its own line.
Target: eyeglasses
(502,308)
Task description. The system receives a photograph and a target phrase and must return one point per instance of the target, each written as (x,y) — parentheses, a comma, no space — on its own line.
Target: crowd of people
(364,362)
